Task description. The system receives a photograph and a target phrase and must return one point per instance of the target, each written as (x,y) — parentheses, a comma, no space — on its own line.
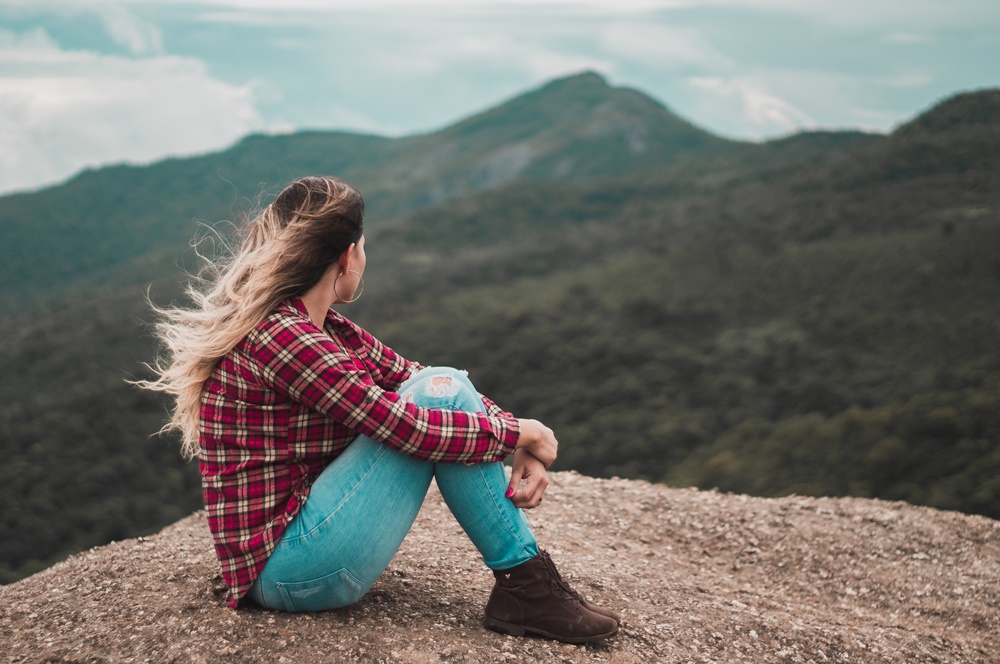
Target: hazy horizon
(100,82)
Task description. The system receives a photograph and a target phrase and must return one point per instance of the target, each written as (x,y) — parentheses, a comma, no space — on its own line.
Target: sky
(84,83)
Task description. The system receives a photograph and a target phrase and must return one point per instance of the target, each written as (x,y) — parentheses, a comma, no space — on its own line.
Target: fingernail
(510,492)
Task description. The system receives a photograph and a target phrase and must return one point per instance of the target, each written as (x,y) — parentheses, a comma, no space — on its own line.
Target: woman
(317,443)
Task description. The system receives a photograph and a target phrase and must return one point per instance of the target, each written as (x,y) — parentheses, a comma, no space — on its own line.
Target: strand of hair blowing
(283,251)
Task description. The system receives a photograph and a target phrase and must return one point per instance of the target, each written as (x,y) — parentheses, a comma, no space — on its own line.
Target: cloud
(661,46)
(760,107)
(429,49)
(61,111)
(537,57)
(35,41)
(902,15)
(128,30)
(603,6)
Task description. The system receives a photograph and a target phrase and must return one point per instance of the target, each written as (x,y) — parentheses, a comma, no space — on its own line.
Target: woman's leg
(358,511)
(362,505)
(475,493)
(529,596)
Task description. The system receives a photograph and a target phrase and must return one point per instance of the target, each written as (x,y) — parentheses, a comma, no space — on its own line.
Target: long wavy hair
(281,252)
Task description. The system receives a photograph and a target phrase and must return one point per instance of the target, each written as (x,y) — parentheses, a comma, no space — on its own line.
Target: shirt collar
(296,303)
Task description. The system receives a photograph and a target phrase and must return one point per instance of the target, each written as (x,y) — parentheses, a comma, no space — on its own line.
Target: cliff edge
(697,576)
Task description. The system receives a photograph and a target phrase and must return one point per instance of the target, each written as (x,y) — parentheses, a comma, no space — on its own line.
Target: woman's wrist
(527,433)
(537,439)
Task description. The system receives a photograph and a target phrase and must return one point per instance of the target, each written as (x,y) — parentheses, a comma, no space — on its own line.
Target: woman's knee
(441,383)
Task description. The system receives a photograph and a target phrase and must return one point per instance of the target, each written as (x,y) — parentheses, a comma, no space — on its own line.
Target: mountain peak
(584,78)
(573,128)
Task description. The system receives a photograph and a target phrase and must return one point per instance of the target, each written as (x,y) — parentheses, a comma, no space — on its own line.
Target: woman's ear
(346,258)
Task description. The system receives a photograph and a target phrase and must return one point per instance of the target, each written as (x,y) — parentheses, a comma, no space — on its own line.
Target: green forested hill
(817,314)
(570,129)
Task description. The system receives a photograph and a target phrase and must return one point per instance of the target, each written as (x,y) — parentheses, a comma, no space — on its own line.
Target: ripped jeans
(363,504)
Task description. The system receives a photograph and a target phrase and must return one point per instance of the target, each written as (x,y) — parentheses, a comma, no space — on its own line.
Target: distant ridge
(960,134)
(966,109)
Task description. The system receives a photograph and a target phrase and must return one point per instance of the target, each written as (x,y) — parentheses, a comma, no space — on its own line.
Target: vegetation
(814,315)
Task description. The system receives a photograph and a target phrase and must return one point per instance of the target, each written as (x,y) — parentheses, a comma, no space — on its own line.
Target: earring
(359,292)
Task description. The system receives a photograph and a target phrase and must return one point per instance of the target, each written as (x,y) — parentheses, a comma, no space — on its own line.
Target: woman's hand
(539,440)
(532,471)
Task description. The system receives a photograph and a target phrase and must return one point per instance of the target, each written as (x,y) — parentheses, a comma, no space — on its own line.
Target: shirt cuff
(510,436)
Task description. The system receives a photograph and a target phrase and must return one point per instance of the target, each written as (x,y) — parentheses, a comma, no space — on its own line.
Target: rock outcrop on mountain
(697,576)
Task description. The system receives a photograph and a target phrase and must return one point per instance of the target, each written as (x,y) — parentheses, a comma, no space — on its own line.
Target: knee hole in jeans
(441,385)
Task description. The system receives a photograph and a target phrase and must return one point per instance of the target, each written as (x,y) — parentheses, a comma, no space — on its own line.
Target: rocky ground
(697,576)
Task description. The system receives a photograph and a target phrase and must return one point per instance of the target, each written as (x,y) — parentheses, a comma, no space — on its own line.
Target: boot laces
(556,582)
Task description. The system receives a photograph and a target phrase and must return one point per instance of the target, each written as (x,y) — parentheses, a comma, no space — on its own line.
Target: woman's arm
(300,362)
(391,368)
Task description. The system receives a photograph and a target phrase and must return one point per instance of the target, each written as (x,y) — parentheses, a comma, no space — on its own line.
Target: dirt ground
(697,577)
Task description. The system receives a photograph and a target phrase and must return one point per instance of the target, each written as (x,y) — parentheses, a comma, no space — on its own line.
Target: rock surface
(697,576)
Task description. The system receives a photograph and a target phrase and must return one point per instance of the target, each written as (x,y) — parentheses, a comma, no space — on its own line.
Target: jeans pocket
(332,591)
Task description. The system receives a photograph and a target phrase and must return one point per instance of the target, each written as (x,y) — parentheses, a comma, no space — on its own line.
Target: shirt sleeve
(393,369)
(491,408)
(300,362)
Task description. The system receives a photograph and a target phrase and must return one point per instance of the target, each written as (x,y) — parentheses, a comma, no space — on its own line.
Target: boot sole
(522,630)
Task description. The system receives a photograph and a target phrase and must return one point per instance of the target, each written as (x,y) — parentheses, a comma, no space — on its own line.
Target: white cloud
(909,15)
(128,30)
(35,41)
(544,64)
(61,111)
(439,50)
(121,25)
(761,107)
(661,46)
(609,6)
(541,62)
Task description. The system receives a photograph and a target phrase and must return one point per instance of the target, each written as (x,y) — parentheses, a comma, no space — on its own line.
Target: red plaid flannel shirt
(286,401)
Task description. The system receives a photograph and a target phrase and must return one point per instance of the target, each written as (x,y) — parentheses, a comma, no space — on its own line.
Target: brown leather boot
(533,598)
(583,600)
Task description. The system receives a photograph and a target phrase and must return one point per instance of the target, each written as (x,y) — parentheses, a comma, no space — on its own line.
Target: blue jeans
(362,505)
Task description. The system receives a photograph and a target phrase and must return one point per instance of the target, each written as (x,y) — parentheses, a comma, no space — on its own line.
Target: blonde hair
(281,252)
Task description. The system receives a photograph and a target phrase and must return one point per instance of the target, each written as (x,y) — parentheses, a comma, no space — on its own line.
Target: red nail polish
(510,492)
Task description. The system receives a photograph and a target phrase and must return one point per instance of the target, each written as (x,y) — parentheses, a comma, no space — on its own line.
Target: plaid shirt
(286,401)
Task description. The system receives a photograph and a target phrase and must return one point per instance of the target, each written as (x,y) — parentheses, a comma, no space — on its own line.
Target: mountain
(696,576)
(571,129)
(812,315)
(962,111)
